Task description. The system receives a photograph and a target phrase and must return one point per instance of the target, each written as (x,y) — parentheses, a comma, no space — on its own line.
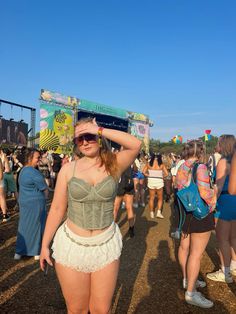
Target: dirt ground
(149,279)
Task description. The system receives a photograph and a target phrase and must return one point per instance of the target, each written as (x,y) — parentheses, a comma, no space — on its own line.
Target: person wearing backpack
(195,232)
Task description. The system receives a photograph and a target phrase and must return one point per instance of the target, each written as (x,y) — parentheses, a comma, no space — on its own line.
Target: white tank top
(155,174)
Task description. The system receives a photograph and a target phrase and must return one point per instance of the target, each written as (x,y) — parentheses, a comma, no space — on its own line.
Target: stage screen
(13,132)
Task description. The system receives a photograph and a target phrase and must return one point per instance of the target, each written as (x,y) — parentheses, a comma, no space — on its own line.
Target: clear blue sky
(172,60)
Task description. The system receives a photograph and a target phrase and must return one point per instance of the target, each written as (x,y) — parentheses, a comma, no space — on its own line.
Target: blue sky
(172,60)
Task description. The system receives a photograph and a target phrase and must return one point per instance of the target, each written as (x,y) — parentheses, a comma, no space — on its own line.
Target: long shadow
(37,294)
(166,297)
(131,261)
(160,271)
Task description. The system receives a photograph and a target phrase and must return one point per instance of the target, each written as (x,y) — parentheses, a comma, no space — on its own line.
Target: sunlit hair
(227,146)
(28,155)
(108,158)
(167,161)
(194,148)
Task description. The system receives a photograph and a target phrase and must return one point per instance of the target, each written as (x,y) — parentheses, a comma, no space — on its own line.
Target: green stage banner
(102,109)
(56,128)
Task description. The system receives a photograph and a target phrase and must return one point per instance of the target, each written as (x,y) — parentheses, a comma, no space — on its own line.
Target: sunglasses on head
(90,138)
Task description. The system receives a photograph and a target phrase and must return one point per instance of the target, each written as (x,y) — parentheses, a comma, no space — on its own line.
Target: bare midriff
(83,232)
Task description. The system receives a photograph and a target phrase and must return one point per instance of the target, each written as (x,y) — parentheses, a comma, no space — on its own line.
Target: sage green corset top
(91,207)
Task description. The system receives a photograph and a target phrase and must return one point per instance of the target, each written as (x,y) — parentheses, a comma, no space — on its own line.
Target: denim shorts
(138,175)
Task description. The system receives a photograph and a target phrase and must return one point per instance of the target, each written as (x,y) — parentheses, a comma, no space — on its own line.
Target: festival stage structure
(16,132)
(59,113)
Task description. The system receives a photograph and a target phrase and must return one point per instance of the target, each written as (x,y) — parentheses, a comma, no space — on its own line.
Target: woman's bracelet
(100,129)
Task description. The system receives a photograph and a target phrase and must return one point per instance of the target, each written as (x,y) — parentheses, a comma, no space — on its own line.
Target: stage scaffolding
(32,117)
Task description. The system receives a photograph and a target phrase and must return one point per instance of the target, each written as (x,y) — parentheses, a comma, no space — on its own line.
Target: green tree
(211,144)
(171,147)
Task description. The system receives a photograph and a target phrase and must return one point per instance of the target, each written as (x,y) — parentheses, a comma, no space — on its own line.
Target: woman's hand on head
(90,127)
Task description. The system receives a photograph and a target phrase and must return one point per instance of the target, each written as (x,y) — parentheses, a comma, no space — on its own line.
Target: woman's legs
(117,204)
(223,229)
(159,203)
(136,192)
(168,183)
(128,198)
(141,191)
(198,243)
(152,193)
(223,235)
(233,246)
(159,199)
(75,288)
(3,203)
(103,283)
(183,253)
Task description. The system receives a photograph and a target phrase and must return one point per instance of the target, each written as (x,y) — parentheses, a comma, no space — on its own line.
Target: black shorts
(193,225)
(125,189)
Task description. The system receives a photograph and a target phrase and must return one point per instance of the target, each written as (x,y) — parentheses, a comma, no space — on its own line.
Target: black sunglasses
(90,138)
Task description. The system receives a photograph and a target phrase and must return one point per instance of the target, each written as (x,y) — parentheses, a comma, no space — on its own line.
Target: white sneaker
(198,299)
(152,214)
(37,257)
(198,284)
(159,214)
(175,235)
(17,256)
(135,205)
(220,276)
(143,204)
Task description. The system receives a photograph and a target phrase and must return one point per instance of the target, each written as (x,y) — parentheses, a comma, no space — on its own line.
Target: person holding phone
(87,245)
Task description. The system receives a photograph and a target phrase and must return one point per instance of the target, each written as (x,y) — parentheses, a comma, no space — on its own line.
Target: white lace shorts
(155,183)
(1,183)
(87,254)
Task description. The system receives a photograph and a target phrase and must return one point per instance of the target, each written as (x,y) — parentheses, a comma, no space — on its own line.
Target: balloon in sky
(177,139)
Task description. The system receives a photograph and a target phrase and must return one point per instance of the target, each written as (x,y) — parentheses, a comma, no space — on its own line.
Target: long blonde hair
(108,158)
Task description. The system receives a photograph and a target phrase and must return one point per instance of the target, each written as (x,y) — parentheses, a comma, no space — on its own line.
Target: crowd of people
(93,184)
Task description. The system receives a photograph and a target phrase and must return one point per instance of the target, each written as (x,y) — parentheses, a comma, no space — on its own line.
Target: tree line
(171,147)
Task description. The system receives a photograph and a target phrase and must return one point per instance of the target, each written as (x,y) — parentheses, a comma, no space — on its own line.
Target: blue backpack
(190,198)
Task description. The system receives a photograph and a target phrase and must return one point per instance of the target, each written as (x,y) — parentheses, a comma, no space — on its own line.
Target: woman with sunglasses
(87,246)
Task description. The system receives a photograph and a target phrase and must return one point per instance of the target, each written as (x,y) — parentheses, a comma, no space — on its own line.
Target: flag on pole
(207,135)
